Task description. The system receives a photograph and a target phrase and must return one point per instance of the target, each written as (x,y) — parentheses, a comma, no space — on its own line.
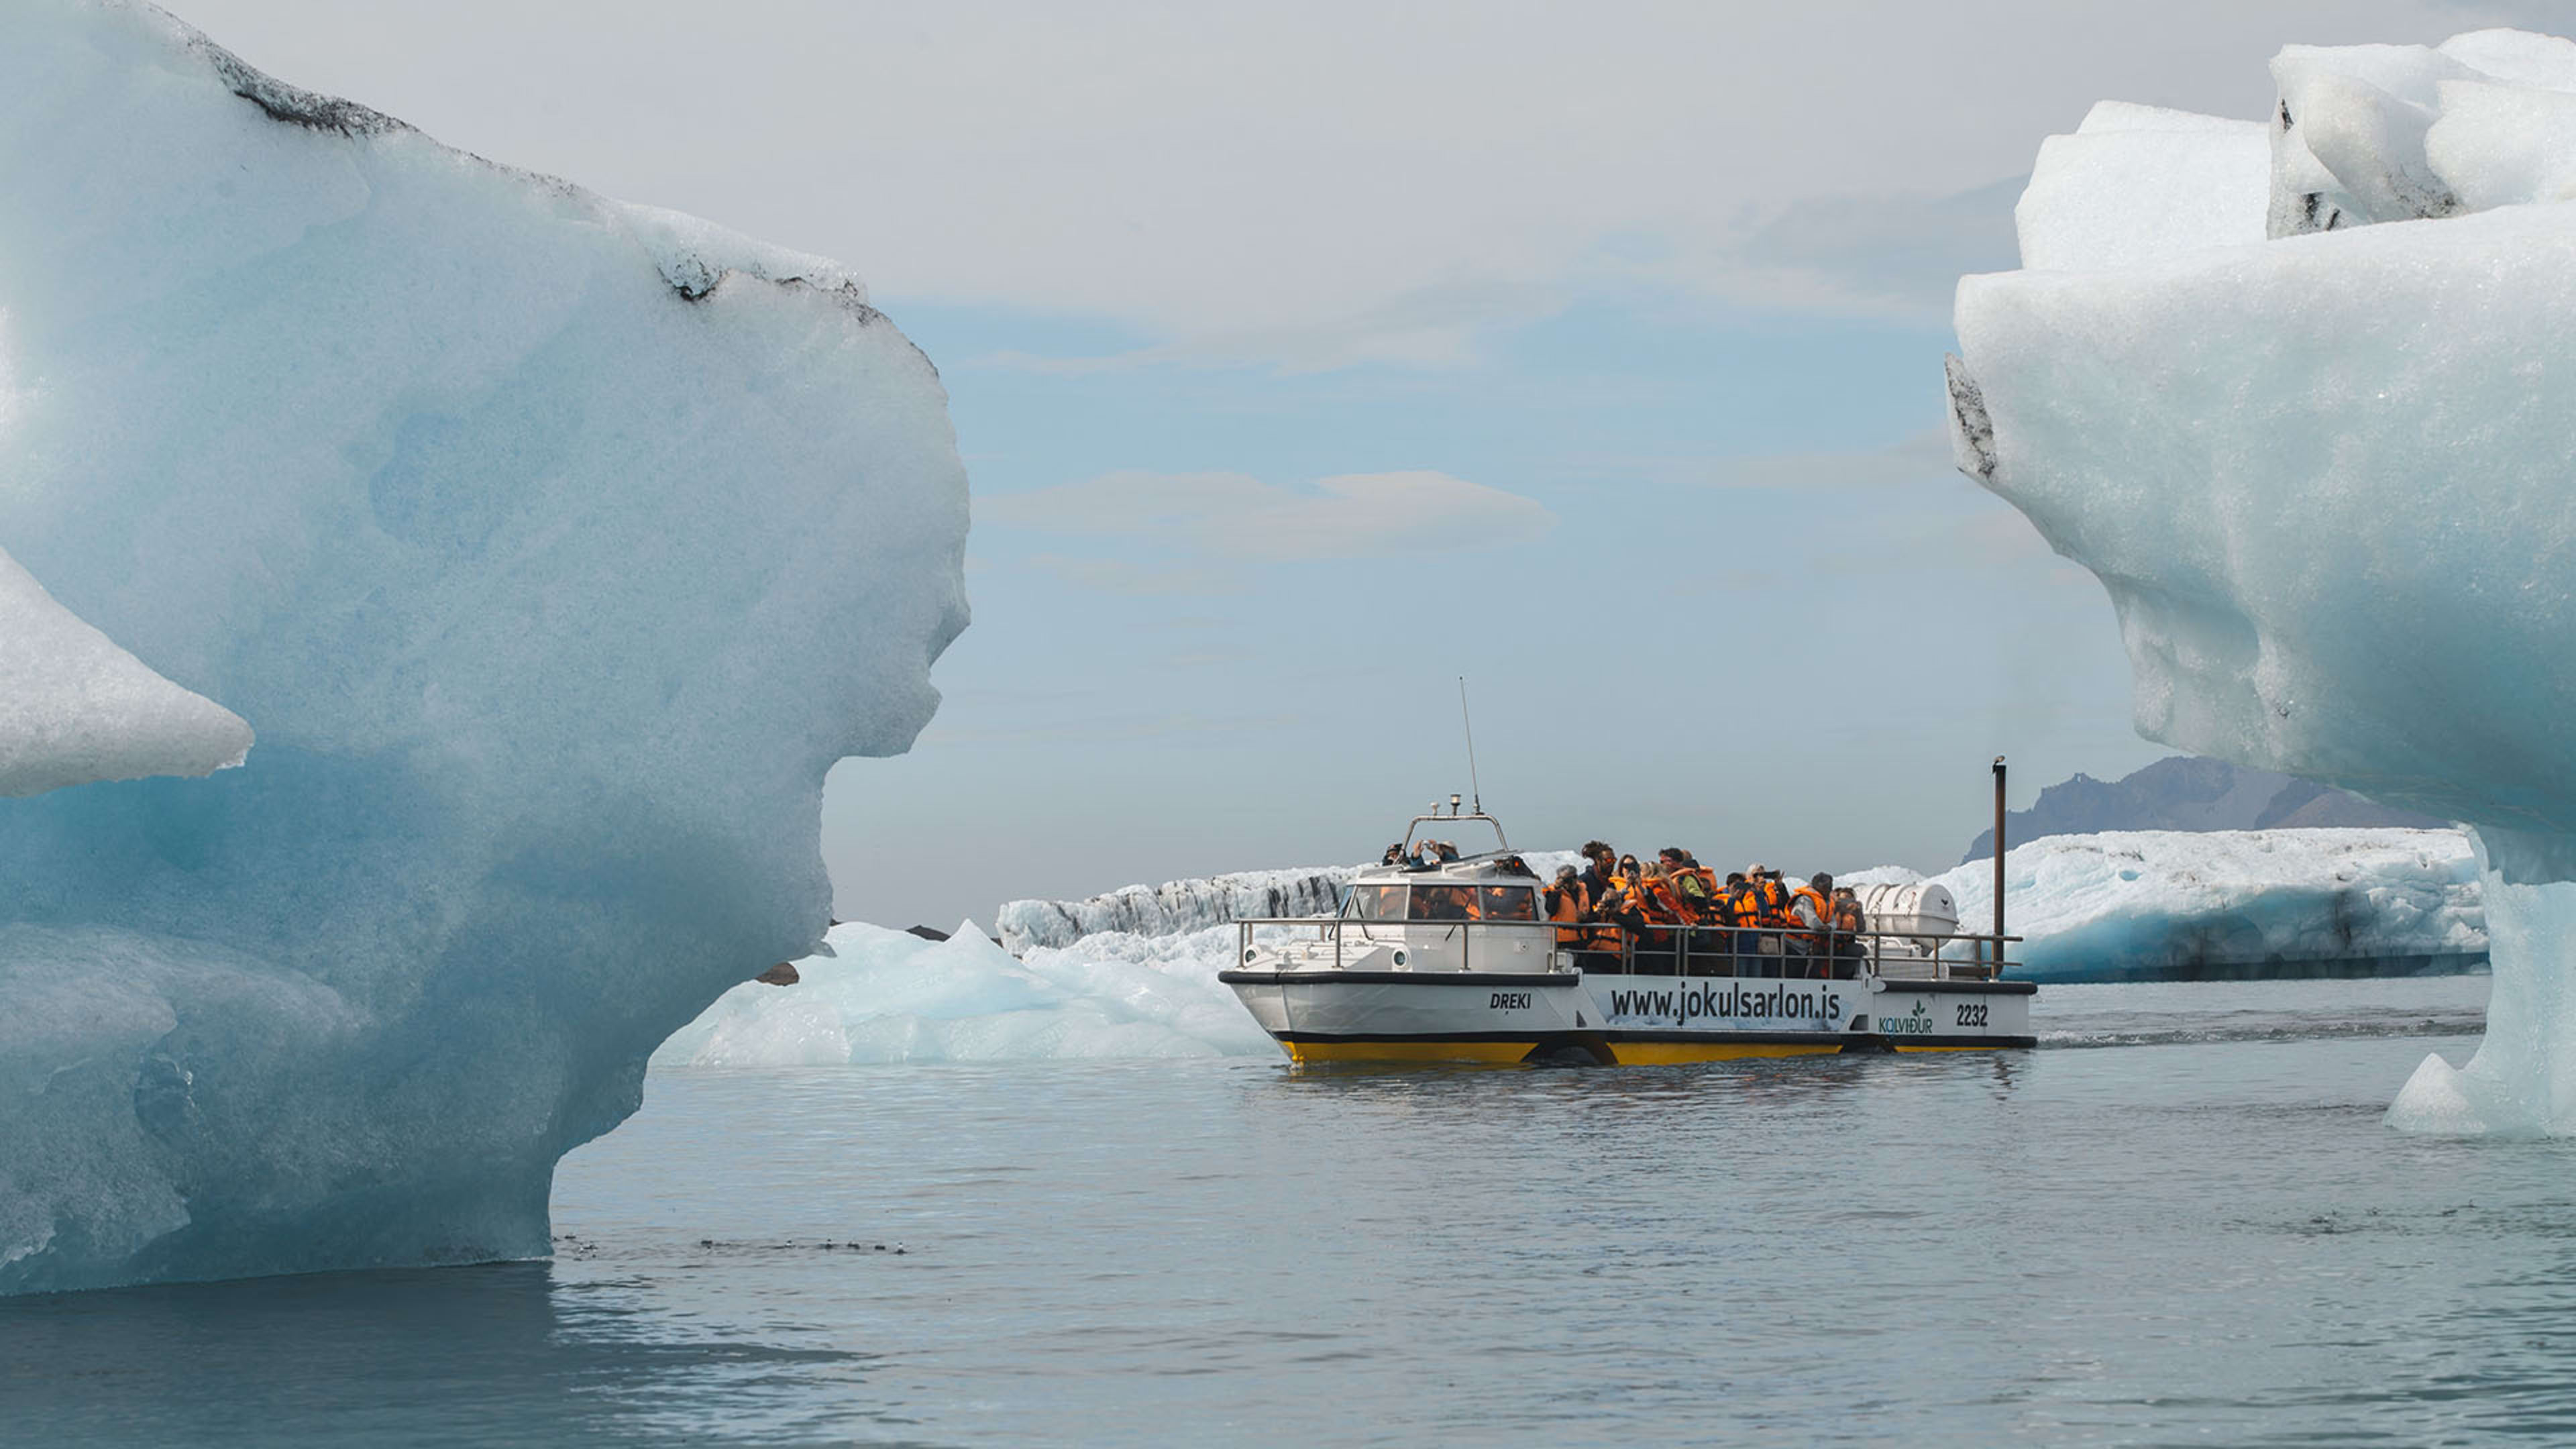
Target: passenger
(1601,865)
(1741,912)
(1771,915)
(1811,905)
(1567,904)
(1394,854)
(1503,903)
(1649,949)
(1849,924)
(1604,939)
(1664,918)
(1692,882)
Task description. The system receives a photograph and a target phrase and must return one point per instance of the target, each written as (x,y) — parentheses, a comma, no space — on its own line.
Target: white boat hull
(1510,1016)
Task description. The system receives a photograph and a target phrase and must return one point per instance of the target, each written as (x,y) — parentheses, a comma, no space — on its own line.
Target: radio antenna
(1470,722)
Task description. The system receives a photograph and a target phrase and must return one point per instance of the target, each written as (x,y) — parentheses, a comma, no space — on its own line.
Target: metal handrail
(1503,842)
(1989,963)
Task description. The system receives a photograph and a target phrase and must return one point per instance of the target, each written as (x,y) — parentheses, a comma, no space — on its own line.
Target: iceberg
(554,547)
(2163,905)
(1174,907)
(882,997)
(2324,469)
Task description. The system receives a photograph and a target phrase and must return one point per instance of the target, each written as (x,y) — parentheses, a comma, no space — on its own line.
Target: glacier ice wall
(1174,906)
(2327,467)
(2144,905)
(554,547)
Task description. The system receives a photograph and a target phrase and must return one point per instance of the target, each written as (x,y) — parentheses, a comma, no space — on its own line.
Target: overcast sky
(1306,357)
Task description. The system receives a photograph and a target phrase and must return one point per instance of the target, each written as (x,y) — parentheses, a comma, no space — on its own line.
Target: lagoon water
(2179,1221)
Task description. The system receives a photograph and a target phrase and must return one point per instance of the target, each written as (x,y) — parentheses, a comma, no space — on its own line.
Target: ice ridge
(557,548)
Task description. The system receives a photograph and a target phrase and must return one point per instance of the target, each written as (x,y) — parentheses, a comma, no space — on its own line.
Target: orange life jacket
(1566,912)
(1824,910)
(1743,907)
(1771,902)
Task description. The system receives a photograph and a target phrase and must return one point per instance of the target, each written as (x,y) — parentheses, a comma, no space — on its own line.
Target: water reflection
(501,1353)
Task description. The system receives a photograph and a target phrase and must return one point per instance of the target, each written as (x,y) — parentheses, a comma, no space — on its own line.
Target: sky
(1308,357)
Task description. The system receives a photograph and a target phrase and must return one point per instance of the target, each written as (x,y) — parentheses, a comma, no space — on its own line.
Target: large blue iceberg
(542,552)
(2300,390)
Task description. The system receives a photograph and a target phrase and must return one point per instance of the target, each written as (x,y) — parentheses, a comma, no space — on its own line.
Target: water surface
(2178,1221)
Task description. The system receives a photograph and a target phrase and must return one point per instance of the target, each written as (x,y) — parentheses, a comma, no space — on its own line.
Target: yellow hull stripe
(1675,1053)
(1408,1051)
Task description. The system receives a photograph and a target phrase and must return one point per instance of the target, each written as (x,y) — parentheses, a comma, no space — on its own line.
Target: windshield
(1376,903)
(1444,903)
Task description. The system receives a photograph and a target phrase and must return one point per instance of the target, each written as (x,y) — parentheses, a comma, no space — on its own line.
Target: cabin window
(1444,903)
(1507,903)
(1377,903)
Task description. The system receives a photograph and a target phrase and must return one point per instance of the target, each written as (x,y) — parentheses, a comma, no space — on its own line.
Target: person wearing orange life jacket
(1664,913)
(1694,892)
(1625,906)
(1771,914)
(1812,907)
(1567,905)
(1848,924)
(1739,912)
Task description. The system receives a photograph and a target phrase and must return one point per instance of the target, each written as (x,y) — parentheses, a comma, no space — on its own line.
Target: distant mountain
(2186,793)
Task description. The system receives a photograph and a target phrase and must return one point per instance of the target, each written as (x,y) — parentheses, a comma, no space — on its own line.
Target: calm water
(2180,1222)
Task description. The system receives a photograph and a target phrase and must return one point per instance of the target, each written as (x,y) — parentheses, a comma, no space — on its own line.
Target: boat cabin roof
(1494,866)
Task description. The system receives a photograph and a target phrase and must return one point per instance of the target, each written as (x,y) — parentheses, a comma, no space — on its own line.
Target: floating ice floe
(2324,468)
(886,996)
(556,548)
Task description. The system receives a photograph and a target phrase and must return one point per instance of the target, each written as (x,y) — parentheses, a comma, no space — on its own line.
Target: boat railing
(1607,948)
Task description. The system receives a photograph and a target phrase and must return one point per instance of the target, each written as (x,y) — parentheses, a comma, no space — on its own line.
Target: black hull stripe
(1398,978)
(1500,979)
(1702,1038)
(1900,985)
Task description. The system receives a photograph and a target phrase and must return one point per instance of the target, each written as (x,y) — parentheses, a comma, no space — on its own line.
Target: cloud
(1234,516)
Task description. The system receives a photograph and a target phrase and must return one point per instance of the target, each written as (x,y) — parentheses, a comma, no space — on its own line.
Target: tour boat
(1442,957)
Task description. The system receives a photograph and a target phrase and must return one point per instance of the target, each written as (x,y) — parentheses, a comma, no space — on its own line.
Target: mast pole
(1999,865)
(1470,722)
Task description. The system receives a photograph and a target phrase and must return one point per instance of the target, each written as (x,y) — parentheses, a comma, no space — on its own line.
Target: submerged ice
(2309,422)
(554,548)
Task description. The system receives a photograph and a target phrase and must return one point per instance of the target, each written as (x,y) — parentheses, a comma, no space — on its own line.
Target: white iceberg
(884,996)
(556,548)
(2155,905)
(2326,472)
